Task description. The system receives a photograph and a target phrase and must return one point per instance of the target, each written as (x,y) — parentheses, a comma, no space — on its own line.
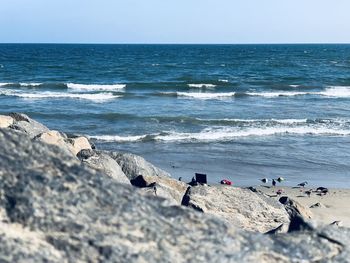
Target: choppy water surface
(240,112)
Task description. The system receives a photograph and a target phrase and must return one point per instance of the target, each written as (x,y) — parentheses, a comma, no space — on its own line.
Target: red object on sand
(226,182)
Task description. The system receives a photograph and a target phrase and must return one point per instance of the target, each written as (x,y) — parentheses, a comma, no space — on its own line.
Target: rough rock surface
(27,125)
(5,121)
(134,165)
(54,210)
(294,208)
(103,163)
(55,138)
(239,207)
(79,143)
(166,187)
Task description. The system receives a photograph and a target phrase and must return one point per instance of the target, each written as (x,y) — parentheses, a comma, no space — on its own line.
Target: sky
(176,21)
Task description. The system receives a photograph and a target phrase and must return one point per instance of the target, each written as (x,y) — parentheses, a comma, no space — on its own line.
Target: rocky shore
(63,200)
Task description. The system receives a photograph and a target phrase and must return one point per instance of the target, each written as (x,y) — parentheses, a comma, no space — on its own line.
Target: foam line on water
(202,85)
(58,95)
(225,134)
(96,87)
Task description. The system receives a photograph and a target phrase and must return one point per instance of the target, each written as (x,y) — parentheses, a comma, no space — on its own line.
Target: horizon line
(172,43)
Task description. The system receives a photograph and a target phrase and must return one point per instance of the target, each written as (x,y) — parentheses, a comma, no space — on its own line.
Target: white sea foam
(278,94)
(205,96)
(336,91)
(223,80)
(227,134)
(116,138)
(98,97)
(294,86)
(95,87)
(23,84)
(4,84)
(281,121)
(202,85)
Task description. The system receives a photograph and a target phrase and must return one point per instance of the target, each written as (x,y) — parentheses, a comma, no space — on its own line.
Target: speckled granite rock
(53,209)
(239,207)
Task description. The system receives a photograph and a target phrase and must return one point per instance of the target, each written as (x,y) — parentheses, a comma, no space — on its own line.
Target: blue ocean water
(240,112)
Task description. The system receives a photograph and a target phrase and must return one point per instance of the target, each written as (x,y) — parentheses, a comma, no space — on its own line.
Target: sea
(236,112)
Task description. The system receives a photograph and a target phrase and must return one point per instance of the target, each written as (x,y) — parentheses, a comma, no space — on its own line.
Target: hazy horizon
(183,22)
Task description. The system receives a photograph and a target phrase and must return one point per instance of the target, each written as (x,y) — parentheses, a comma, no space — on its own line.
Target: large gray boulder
(239,207)
(103,163)
(162,186)
(27,125)
(5,121)
(52,209)
(151,179)
(134,165)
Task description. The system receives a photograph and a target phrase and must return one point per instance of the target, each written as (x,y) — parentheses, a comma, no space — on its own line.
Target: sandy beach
(334,206)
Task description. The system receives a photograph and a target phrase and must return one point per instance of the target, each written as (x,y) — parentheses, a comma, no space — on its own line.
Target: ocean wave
(277,94)
(223,80)
(336,91)
(225,134)
(331,91)
(57,95)
(198,95)
(23,84)
(201,85)
(96,87)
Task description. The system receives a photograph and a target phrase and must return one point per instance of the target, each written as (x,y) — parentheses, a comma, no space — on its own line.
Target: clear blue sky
(176,21)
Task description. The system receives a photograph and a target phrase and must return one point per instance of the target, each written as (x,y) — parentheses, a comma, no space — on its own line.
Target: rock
(27,125)
(294,208)
(53,209)
(79,143)
(5,121)
(239,207)
(166,187)
(55,138)
(103,163)
(133,165)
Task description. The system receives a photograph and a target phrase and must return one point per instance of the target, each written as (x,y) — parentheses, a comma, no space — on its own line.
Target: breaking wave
(202,85)
(96,87)
(221,134)
(56,95)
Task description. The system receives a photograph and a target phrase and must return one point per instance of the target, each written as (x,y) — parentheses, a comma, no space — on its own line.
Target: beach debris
(317,205)
(308,193)
(279,192)
(264,180)
(225,181)
(273,182)
(193,182)
(280,179)
(303,184)
(322,191)
(336,223)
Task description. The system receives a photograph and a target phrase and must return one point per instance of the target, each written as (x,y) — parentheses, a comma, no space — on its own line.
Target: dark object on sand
(280,179)
(273,182)
(279,192)
(180,178)
(264,180)
(336,223)
(302,184)
(201,178)
(226,182)
(320,189)
(308,193)
(193,182)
